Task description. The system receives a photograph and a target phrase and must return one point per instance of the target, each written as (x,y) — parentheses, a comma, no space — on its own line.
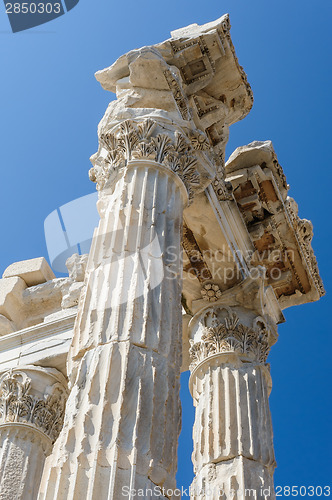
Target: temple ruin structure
(190,268)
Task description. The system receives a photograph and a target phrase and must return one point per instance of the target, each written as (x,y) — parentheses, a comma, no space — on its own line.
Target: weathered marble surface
(230,384)
(30,294)
(154,157)
(163,186)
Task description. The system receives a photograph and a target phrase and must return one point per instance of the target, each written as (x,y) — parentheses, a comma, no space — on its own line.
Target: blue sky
(51,105)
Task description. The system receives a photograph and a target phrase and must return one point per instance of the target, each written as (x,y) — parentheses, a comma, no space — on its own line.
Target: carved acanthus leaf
(181,144)
(163,146)
(230,336)
(145,129)
(18,405)
(133,140)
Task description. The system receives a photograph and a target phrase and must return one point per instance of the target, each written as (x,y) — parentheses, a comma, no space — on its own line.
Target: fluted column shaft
(230,383)
(123,414)
(22,457)
(32,402)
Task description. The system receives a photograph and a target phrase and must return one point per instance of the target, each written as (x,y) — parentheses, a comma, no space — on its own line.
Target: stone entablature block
(32,271)
(23,306)
(282,241)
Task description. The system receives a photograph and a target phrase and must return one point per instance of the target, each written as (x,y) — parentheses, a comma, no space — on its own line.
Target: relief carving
(211,292)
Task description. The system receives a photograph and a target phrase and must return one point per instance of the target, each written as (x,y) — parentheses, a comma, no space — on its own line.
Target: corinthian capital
(222,330)
(35,398)
(151,141)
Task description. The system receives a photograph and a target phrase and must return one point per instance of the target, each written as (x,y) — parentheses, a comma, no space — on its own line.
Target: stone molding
(304,231)
(22,404)
(24,305)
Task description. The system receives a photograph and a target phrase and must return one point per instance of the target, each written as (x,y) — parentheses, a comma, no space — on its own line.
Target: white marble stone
(230,384)
(32,271)
(152,159)
(32,404)
(181,235)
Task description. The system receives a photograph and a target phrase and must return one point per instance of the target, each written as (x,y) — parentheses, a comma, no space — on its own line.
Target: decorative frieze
(197,265)
(304,230)
(222,189)
(281,239)
(178,94)
(224,30)
(199,141)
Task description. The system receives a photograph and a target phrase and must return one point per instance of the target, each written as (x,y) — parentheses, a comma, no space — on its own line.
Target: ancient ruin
(191,265)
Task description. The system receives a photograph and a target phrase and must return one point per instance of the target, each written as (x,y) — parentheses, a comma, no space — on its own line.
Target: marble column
(230,383)
(32,406)
(160,144)
(123,415)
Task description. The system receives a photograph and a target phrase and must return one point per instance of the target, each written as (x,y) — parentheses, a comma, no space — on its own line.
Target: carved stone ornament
(222,189)
(211,292)
(304,231)
(281,239)
(178,94)
(230,335)
(136,141)
(18,404)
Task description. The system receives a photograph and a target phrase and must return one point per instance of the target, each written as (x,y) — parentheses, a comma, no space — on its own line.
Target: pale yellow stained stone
(32,271)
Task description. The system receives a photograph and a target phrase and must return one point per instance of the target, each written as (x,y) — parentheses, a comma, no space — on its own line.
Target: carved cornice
(229,335)
(281,239)
(211,42)
(137,140)
(224,29)
(196,81)
(304,231)
(21,404)
(205,58)
(178,94)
